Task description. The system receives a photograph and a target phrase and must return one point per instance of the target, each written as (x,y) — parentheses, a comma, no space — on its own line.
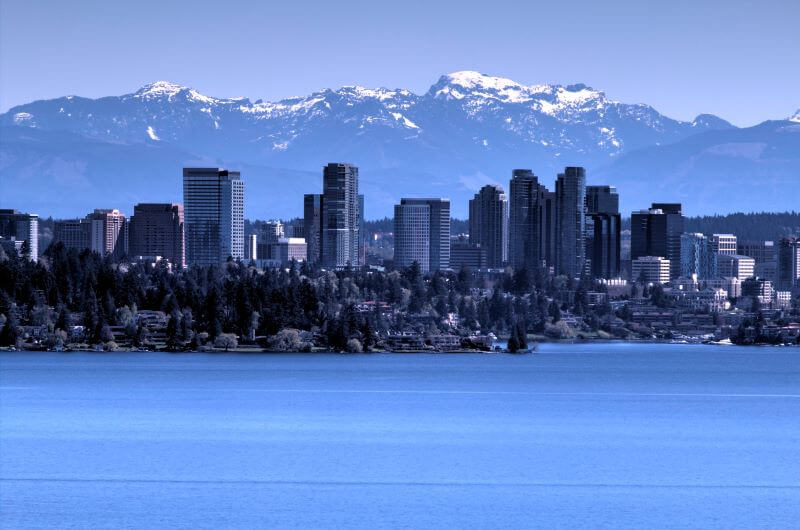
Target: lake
(618,435)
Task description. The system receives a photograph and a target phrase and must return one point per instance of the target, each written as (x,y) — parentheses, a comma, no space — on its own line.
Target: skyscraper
(312,226)
(603,231)
(408,233)
(158,230)
(72,233)
(788,263)
(108,232)
(340,215)
(571,219)
(532,222)
(657,232)
(698,257)
(412,240)
(21,227)
(488,224)
(213,201)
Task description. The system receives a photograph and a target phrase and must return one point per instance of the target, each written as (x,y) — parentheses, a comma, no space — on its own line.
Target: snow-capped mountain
(488,113)
(795,117)
(466,130)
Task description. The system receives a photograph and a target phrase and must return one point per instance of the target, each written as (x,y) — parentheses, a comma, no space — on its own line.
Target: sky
(737,59)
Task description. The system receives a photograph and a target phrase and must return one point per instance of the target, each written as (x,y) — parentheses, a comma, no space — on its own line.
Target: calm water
(615,435)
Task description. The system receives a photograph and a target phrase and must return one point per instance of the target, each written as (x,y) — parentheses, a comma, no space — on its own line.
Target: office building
(21,227)
(437,226)
(758,288)
(272,231)
(735,266)
(157,230)
(657,232)
(698,260)
(108,232)
(532,222)
(213,200)
(287,249)
(651,269)
(466,255)
(488,224)
(72,233)
(362,247)
(603,232)
(251,250)
(788,274)
(761,251)
(340,216)
(570,222)
(412,239)
(724,244)
(312,225)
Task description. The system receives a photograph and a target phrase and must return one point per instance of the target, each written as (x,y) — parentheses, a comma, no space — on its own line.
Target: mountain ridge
(465,130)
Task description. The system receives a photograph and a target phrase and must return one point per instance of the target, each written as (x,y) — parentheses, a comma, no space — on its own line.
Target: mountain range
(65,156)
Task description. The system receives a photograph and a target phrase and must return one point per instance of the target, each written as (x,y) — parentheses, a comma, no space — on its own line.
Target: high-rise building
(735,266)
(765,255)
(251,251)
(788,263)
(24,227)
(570,222)
(723,244)
(362,247)
(698,260)
(657,232)
(213,200)
(340,216)
(650,269)
(272,231)
(465,254)
(157,230)
(532,222)
(761,251)
(72,233)
(758,288)
(603,231)
(488,224)
(438,228)
(108,232)
(312,225)
(412,239)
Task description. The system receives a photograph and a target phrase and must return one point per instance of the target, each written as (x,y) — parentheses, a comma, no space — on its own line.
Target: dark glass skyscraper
(571,220)
(603,231)
(340,216)
(158,230)
(532,222)
(488,224)
(788,263)
(213,200)
(312,225)
(657,232)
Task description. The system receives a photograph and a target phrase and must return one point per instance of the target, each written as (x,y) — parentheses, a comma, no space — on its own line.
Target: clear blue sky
(739,59)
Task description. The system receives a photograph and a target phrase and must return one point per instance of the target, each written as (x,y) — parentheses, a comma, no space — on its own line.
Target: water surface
(599,435)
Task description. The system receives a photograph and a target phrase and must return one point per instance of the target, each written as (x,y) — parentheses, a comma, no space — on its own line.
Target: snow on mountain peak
(470,79)
(468,83)
(796,117)
(159,89)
